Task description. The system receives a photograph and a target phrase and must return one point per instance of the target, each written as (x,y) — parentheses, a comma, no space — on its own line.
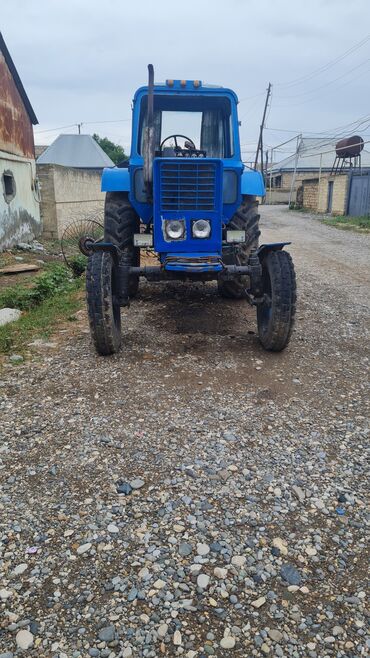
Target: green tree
(115,151)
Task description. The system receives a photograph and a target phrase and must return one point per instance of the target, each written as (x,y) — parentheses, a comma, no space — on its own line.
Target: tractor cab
(186,195)
(185,177)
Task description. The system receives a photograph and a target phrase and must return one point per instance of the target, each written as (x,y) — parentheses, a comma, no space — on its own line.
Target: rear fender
(252,183)
(115,179)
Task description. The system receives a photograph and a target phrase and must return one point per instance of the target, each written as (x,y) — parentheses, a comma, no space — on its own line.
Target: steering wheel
(177,146)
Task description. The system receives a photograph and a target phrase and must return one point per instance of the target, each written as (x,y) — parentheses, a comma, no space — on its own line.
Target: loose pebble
(173,500)
(258,602)
(24,639)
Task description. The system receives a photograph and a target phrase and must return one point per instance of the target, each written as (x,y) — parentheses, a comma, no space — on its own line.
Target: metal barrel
(350,147)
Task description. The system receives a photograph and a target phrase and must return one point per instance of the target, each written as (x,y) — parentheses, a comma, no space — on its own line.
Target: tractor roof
(186,87)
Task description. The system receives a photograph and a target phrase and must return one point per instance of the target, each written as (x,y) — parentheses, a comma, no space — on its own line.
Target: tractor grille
(187,185)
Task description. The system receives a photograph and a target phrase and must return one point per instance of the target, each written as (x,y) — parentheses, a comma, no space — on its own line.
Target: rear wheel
(275,316)
(120,224)
(245,219)
(103,310)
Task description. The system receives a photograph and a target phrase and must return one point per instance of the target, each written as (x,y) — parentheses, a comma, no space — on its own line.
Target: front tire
(120,224)
(275,316)
(245,219)
(103,310)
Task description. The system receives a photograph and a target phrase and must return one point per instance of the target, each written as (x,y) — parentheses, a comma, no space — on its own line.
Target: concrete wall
(66,195)
(277,195)
(19,216)
(340,194)
(287,177)
(281,194)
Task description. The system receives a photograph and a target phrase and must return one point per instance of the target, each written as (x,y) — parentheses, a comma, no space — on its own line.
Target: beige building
(313,161)
(69,173)
(329,194)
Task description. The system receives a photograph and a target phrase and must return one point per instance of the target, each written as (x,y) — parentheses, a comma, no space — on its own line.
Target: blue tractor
(191,199)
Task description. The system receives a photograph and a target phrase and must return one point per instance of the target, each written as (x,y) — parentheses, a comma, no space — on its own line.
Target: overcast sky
(81,60)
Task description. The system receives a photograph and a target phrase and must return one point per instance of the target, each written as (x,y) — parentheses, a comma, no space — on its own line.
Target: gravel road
(194,495)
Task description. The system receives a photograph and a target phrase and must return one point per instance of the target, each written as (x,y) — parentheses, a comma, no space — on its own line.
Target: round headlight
(201,228)
(175,229)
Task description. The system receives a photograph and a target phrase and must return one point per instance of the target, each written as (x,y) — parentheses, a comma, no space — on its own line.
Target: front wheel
(103,310)
(275,315)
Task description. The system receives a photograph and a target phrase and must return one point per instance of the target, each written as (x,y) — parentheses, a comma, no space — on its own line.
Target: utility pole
(271,166)
(260,139)
(79,128)
(299,139)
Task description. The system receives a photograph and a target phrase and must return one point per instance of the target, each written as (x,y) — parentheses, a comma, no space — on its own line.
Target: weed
(54,297)
(55,279)
(348,222)
(78,264)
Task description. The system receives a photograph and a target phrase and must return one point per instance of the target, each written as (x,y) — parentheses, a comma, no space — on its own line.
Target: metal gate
(330,195)
(359,194)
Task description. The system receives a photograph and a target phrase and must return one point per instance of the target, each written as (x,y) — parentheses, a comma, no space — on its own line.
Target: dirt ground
(236,449)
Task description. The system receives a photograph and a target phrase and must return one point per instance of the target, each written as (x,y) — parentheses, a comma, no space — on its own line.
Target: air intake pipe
(149,144)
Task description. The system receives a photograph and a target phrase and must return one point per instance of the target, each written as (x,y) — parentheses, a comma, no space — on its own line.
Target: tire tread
(284,294)
(105,331)
(245,219)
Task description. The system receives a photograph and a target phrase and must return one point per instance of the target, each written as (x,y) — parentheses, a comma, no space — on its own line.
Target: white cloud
(81,60)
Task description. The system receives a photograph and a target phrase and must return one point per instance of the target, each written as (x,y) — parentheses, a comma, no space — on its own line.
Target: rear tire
(103,311)
(245,219)
(275,316)
(120,224)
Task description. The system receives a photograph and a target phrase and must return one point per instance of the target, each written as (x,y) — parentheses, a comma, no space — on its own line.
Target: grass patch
(55,279)
(53,297)
(349,223)
(293,206)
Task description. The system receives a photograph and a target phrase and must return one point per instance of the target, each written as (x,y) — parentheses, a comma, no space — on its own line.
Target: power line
(52,130)
(332,150)
(327,84)
(249,98)
(90,123)
(252,108)
(316,97)
(351,128)
(358,122)
(323,141)
(82,123)
(326,66)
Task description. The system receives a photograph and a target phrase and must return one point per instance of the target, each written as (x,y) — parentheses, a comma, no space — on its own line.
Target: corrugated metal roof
(309,155)
(17,81)
(78,151)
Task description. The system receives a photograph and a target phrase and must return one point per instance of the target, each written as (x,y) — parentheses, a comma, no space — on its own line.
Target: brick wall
(286,179)
(310,193)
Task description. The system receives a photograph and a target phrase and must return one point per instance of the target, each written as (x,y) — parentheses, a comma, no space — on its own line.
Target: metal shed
(78,151)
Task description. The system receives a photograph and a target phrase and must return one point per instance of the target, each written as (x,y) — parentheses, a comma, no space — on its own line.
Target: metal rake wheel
(76,242)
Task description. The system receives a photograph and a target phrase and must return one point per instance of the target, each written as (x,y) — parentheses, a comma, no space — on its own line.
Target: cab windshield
(205,121)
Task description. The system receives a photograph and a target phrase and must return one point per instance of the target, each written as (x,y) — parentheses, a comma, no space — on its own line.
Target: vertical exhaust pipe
(149,145)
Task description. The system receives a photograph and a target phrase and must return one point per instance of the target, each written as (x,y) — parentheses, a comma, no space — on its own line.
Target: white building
(19,197)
